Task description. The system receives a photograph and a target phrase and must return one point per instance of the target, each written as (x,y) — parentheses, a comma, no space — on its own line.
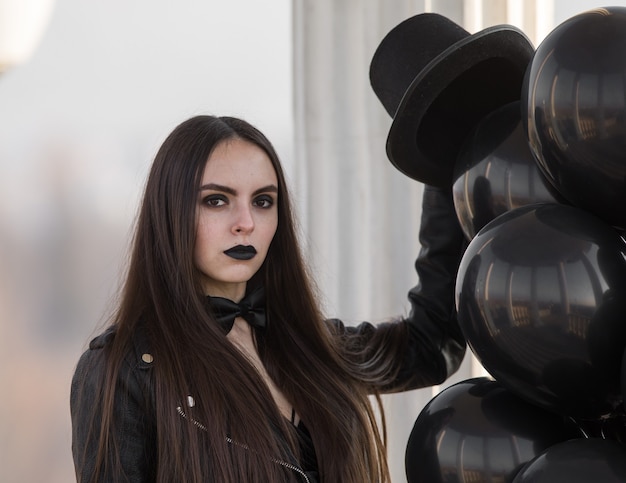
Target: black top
(308,458)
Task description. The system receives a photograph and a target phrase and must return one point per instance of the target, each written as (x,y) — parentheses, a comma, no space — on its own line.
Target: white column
(360,215)
(473,15)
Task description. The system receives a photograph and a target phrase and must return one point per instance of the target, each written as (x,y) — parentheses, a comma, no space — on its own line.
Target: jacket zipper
(229,440)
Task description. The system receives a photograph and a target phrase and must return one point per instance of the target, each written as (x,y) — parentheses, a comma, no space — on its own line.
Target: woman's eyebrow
(270,188)
(218,187)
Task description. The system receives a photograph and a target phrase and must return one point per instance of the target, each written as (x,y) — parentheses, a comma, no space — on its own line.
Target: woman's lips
(241,252)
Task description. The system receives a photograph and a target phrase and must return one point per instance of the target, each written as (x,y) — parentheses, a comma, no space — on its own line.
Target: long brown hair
(234,432)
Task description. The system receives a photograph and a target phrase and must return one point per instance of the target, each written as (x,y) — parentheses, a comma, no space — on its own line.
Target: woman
(187,386)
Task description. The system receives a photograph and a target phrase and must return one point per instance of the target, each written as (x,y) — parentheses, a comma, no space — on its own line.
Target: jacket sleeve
(133,426)
(436,341)
(434,345)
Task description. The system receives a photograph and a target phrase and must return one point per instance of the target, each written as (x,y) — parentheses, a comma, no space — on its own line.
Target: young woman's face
(237,216)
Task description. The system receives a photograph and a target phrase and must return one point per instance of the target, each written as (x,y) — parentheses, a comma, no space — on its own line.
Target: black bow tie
(251,309)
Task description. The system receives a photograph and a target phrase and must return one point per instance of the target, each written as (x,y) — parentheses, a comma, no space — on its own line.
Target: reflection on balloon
(496,171)
(574,102)
(577,461)
(611,427)
(477,430)
(623,379)
(540,299)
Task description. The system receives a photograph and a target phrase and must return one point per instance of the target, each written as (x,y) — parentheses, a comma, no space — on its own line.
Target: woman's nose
(244,222)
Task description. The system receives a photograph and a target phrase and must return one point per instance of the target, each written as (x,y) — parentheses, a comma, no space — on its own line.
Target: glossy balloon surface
(611,427)
(540,295)
(577,461)
(574,100)
(496,172)
(623,379)
(478,431)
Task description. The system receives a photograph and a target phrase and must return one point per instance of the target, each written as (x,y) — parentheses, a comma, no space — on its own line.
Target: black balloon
(477,430)
(577,461)
(541,298)
(611,427)
(574,101)
(623,378)
(496,171)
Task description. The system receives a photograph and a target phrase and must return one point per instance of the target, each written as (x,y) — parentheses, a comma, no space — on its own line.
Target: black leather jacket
(435,350)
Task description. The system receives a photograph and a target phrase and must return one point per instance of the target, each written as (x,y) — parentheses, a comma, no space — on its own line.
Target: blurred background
(89,90)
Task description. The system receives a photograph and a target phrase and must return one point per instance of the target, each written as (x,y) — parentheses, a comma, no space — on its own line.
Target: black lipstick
(241,252)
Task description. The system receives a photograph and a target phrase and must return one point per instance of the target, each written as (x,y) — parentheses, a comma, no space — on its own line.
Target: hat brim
(450,96)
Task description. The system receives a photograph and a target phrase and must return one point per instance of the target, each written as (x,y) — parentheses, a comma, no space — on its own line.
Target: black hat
(437,82)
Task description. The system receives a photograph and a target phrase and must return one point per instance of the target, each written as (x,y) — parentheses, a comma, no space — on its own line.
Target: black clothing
(435,349)
(251,308)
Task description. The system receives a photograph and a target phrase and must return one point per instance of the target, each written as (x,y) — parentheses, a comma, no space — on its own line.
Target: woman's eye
(214,201)
(264,202)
